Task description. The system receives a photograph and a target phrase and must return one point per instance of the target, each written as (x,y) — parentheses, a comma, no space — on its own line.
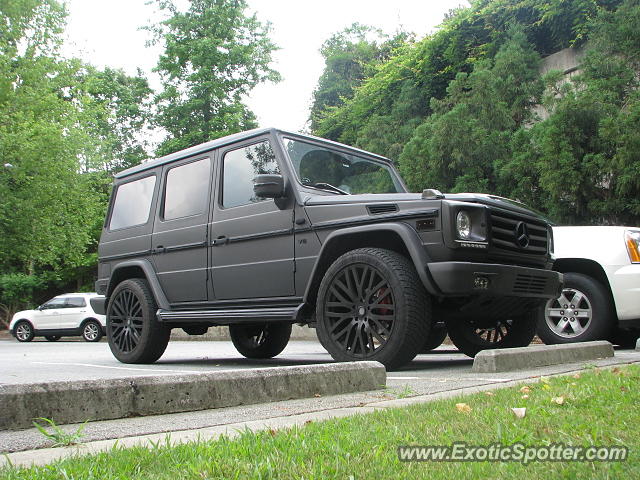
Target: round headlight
(463,225)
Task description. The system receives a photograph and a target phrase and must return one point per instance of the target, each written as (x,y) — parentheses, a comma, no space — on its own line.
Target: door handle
(159,249)
(220,240)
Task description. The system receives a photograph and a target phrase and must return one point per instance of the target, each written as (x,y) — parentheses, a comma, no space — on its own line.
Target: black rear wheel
(260,341)
(133,331)
(470,336)
(372,306)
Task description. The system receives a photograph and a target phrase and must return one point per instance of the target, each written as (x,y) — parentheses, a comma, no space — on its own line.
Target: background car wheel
(437,334)
(470,337)
(52,338)
(24,331)
(372,306)
(91,331)
(134,333)
(583,312)
(260,341)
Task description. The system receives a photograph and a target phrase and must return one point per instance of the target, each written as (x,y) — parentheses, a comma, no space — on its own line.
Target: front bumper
(466,278)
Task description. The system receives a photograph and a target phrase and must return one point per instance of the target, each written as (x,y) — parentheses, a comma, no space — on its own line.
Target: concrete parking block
(73,402)
(509,359)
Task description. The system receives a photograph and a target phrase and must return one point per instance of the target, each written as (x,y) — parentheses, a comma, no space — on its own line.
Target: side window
(239,169)
(132,204)
(54,303)
(186,190)
(76,302)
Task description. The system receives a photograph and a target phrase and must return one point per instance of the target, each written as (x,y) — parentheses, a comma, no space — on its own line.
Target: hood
(362,198)
(483,198)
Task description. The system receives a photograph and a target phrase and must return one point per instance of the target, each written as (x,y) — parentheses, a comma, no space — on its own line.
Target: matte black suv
(267,228)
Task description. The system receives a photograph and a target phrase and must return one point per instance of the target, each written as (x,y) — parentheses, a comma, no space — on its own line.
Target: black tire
(372,306)
(260,341)
(52,338)
(471,337)
(595,317)
(91,331)
(436,336)
(24,331)
(133,331)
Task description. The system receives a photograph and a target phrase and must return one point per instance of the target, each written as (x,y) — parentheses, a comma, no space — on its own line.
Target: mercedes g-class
(264,229)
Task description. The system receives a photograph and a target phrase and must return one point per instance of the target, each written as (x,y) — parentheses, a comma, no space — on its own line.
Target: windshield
(339,172)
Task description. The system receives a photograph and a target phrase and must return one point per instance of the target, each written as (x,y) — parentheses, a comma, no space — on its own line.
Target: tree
(214,55)
(49,210)
(118,115)
(460,146)
(350,56)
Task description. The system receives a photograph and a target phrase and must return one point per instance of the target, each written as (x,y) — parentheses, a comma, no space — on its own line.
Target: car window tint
(132,203)
(240,168)
(186,190)
(76,302)
(55,303)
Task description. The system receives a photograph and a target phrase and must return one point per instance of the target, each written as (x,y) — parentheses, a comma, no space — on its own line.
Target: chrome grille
(509,229)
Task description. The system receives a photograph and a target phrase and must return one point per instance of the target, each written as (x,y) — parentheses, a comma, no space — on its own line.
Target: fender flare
(409,237)
(149,273)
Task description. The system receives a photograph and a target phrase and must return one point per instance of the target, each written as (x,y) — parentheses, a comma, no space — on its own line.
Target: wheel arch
(587,267)
(138,269)
(398,237)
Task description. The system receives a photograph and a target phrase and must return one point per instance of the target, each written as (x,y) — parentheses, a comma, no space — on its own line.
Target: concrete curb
(46,456)
(509,359)
(75,402)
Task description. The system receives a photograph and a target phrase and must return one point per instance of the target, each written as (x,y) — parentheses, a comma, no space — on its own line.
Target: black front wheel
(372,306)
(133,331)
(470,336)
(260,341)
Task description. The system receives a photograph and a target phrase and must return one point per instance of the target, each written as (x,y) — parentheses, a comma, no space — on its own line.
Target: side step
(230,316)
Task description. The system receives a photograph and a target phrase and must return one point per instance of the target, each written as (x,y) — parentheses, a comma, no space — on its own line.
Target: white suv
(601,295)
(70,314)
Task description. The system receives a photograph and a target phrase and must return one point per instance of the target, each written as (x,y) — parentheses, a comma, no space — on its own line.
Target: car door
(75,311)
(50,314)
(179,235)
(252,244)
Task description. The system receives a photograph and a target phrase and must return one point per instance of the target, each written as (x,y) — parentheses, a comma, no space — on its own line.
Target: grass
(599,407)
(57,435)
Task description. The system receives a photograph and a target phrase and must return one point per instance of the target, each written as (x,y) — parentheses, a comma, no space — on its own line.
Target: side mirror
(268,186)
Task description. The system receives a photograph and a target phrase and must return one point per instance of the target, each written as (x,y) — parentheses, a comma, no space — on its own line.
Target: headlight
(632,239)
(463,225)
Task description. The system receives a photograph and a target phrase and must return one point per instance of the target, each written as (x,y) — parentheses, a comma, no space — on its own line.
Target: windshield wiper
(327,186)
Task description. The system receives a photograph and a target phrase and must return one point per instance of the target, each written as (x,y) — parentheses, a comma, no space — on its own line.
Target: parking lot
(42,362)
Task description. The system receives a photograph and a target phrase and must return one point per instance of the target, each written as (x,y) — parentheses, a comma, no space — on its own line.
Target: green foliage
(351,56)
(64,126)
(458,146)
(456,108)
(57,435)
(214,55)
(582,163)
